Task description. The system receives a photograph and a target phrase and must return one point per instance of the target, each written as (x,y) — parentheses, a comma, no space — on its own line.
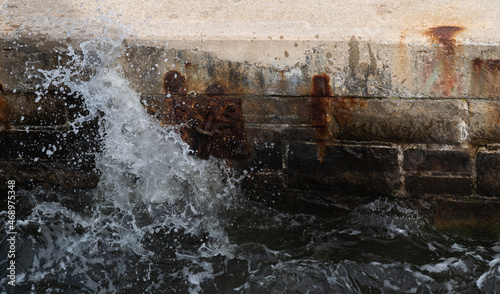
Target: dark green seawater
(379,248)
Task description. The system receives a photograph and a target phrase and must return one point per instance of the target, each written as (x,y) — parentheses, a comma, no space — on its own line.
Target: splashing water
(140,160)
(149,186)
(162,221)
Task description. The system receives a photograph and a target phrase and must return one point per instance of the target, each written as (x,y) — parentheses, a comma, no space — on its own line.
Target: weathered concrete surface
(367,48)
(340,101)
(485,121)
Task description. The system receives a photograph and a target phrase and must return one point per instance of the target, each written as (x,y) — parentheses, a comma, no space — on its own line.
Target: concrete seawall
(327,105)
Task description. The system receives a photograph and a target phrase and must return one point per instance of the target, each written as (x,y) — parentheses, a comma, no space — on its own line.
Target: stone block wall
(38,147)
(408,147)
(354,122)
(371,147)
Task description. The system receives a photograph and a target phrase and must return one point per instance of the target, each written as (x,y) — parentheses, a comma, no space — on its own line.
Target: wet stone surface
(418,186)
(416,160)
(293,123)
(399,121)
(353,170)
(27,109)
(49,174)
(488,173)
(267,148)
(478,218)
(484,121)
(38,147)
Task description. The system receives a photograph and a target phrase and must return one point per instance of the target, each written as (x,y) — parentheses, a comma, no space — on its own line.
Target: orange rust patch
(445,35)
(485,80)
(174,83)
(445,68)
(477,64)
(320,113)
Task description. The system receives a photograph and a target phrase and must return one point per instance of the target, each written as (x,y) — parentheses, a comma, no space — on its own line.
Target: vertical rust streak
(4,113)
(445,36)
(319,111)
(476,85)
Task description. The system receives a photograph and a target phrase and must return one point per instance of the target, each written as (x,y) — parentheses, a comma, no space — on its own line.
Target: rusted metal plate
(211,125)
(319,111)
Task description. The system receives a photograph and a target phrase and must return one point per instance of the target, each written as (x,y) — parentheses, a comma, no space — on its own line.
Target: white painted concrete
(255,31)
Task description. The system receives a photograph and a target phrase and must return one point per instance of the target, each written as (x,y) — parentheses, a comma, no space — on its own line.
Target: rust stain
(212,126)
(485,80)
(445,35)
(162,109)
(403,65)
(443,77)
(321,86)
(320,113)
(4,113)
(174,83)
(477,65)
(344,108)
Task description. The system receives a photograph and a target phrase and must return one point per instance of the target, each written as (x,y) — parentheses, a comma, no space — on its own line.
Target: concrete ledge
(146,67)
